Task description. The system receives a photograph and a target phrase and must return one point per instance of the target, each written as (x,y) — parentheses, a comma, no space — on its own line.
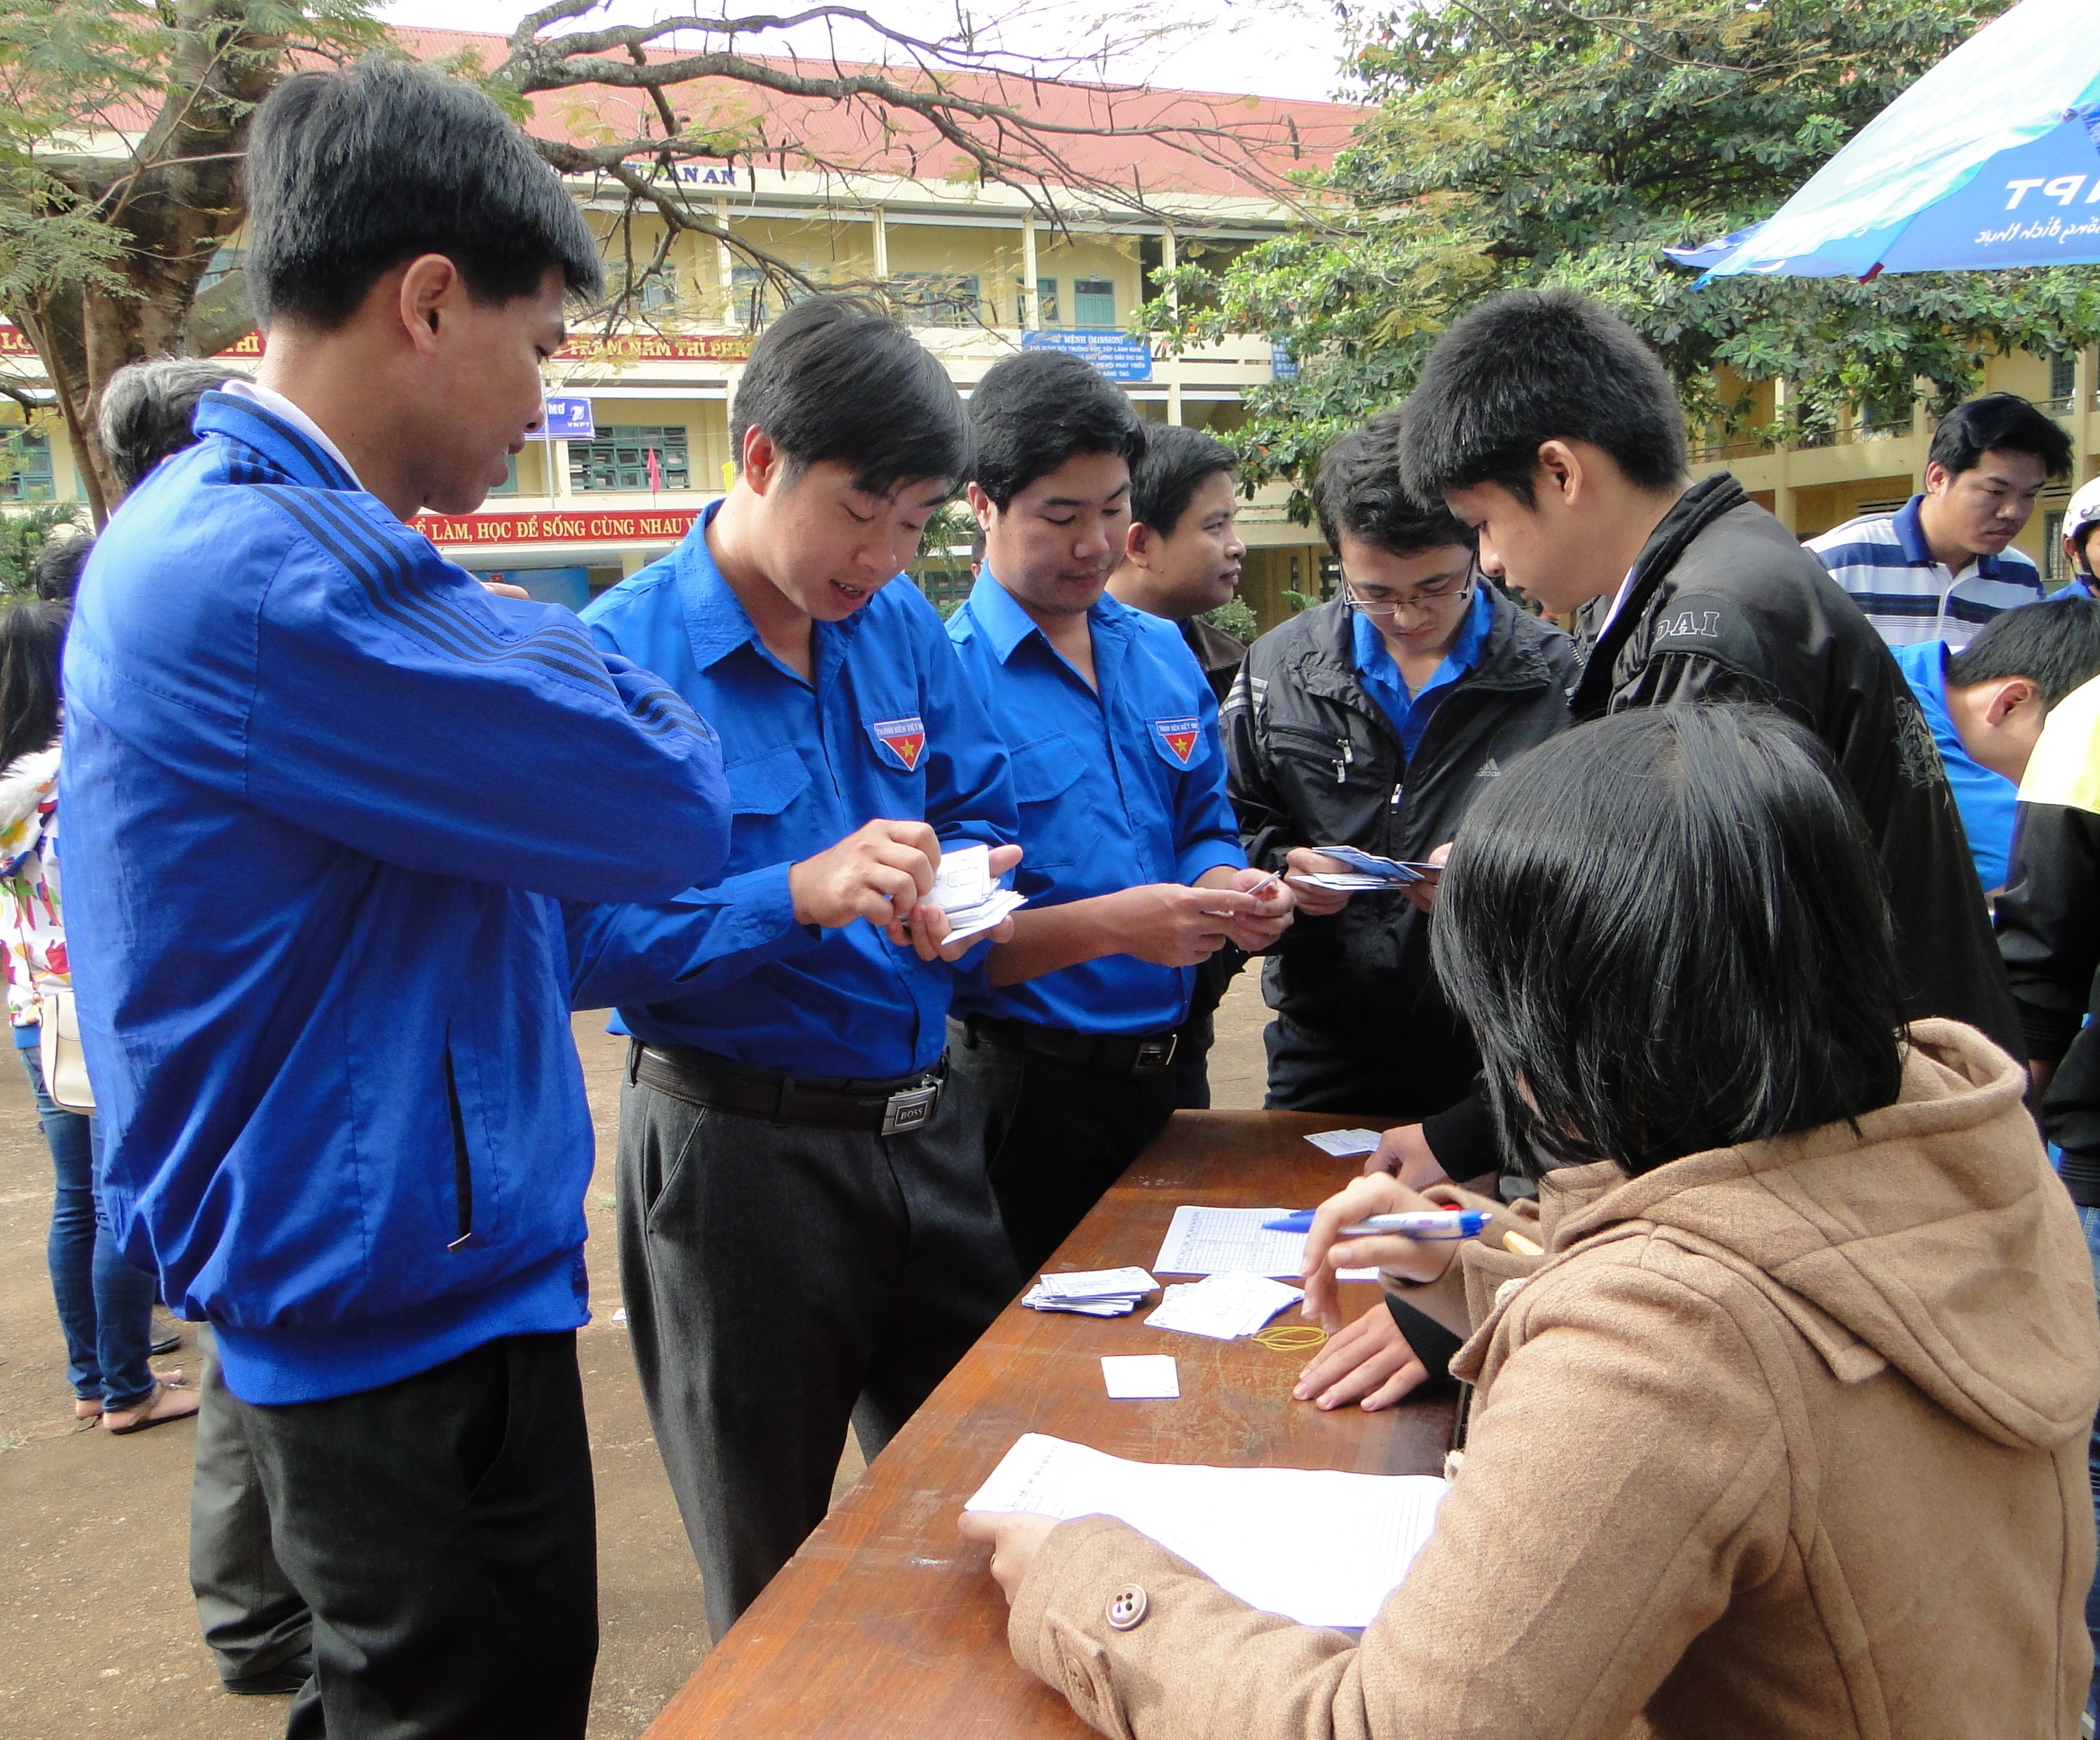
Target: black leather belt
(701,1079)
(1115,1054)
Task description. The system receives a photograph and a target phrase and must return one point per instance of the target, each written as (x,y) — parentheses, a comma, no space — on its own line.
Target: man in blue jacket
(324,795)
(806,1233)
(1133,867)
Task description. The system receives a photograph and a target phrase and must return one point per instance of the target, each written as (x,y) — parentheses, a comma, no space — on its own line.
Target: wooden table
(886,1624)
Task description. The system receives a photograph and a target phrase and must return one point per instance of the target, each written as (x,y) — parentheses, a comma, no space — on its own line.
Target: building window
(656,292)
(937,298)
(25,457)
(633,456)
(226,260)
(2055,571)
(2063,376)
(1046,301)
(1094,301)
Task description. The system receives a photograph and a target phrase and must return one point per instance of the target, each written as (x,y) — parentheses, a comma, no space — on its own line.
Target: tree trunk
(172,206)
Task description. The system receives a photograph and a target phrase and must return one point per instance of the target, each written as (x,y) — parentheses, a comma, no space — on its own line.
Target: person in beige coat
(1784,1435)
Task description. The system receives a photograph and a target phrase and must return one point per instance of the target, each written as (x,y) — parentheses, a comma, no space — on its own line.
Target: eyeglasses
(1436,593)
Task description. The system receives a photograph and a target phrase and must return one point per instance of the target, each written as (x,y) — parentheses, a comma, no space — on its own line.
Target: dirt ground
(97,1634)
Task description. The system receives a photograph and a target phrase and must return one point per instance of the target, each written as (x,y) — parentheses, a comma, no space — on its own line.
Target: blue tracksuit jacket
(323,796)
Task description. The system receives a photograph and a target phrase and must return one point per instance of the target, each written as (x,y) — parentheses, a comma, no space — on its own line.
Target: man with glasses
(1371,722)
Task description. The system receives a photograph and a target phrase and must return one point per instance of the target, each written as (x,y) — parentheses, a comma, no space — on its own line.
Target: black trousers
(1057,1135)
(1307,1074)
(253,1619)
(443,1530)
(780,1283)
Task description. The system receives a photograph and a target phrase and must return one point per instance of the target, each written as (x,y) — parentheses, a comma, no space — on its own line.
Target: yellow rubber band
(1292,1337)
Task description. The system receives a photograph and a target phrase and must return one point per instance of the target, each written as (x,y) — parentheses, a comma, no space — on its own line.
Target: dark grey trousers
(781,1283)
(255,1621)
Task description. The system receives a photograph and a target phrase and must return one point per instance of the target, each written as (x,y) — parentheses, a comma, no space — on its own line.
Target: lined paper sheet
(1230,1241)
(1320,1547)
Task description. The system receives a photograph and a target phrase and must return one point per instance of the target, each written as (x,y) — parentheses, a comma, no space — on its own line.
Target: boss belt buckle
(1154,1055)
(909,1108)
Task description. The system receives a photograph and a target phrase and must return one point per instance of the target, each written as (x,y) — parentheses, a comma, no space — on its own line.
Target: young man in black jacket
(1372,721)
(1547,424)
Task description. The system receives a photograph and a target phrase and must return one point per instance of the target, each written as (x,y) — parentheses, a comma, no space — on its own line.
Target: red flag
(656,472)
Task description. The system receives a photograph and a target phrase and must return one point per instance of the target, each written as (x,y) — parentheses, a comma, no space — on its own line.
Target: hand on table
(1015,1538)
(1369,1363)
(1403,1152)
(1415,1260)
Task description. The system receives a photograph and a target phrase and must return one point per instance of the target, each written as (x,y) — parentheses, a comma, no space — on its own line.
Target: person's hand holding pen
(1254,928)
(1410,1260)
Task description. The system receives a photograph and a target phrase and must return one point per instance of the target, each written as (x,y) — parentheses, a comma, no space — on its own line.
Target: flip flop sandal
(147,1414)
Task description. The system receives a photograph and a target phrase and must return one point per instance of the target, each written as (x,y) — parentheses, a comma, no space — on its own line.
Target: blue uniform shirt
(1986,800)
(1116,789)
(889,729)
(1411,714)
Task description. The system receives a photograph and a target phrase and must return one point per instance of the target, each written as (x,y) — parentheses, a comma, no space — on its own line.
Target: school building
(981,269)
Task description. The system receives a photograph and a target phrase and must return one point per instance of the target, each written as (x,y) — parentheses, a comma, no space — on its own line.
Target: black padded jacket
(1315,761)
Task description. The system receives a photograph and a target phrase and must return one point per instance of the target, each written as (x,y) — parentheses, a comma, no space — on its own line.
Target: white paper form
(1322,1548)
(1230,1241)
(1343,1143)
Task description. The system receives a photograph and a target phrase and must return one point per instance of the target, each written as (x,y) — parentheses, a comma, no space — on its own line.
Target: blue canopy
(1991,160)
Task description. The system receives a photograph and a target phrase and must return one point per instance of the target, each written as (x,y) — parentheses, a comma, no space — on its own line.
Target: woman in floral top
(106,1305)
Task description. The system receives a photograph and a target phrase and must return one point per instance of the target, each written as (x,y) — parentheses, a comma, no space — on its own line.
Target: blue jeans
(106,1305)
(2090,1219)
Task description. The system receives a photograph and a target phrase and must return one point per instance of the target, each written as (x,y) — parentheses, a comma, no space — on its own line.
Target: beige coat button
(1126,1609)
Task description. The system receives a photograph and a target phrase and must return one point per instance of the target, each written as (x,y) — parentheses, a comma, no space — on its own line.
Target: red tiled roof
(1241,137)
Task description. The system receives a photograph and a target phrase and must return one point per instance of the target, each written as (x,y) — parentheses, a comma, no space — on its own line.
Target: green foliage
(1545,142)
(1236,617)
(25,531)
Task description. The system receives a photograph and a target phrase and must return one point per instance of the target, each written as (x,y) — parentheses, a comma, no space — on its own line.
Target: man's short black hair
(1528,367)
(1670,932)
(1177,461)
(54,570)
(1358,495)
(1999,423)
(1034,411)
(353,173)
(146,409)
(2054,644)
(835,378)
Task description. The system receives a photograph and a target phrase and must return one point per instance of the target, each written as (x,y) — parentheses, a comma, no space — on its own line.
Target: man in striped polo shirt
(1942,566)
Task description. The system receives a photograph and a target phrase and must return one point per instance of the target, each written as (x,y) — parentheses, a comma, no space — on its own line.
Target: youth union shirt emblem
(1179,735)
(904,738)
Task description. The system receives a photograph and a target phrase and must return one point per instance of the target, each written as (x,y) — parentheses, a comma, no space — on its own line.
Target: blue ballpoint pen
(1440,1223)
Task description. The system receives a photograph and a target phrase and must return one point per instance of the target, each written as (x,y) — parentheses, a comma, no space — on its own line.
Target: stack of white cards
(966,891)
(1223,1308)
(1366,869)
(1343,1143)
(1092,1293)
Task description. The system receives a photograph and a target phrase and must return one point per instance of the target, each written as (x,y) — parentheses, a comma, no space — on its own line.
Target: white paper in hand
(1141,1377)
(966,891)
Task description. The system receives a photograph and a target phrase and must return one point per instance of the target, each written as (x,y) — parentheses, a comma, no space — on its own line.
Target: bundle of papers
(1091,1293)
(1366,869)
(1233,1241)
(966,891)
(1321,1548)
(1223,1308)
